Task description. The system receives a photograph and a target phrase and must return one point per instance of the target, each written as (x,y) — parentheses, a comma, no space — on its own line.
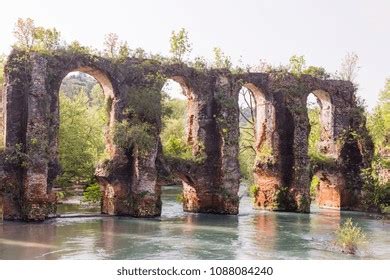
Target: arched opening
(324,185)
(85,100)
(320,114)
(257,124)
(176,138)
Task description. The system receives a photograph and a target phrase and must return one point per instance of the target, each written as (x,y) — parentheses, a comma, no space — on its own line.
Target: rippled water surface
(253,234)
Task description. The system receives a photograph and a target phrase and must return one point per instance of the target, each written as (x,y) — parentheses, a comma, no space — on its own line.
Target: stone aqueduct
(131,180)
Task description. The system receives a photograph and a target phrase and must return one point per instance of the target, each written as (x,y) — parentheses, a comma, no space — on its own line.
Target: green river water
(253,234)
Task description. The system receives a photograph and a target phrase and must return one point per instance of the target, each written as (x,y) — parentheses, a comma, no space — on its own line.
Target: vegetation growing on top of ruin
(141,127)
(141,124)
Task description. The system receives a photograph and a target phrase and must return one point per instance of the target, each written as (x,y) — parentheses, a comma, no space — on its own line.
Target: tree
(81,139)
(24,33)
(124,51)
(221,60)
(297,64)
(111,45)
(46,39)
(247,139)
(114,49)
(180,44)
(349,67)
(139,53)
(29,37)
(379,120)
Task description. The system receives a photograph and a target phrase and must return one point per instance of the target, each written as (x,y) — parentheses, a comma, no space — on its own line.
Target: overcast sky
(323,31)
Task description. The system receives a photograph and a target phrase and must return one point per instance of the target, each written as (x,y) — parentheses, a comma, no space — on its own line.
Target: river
(253,234)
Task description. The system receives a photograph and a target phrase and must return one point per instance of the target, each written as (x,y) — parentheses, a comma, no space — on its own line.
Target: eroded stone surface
(131,180)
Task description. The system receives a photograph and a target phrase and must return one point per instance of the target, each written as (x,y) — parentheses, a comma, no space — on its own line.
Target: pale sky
(323,31)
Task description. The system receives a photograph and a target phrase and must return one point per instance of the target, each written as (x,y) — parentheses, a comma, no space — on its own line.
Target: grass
(349,237)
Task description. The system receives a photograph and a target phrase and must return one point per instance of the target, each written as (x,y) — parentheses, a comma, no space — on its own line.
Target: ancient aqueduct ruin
(131,181)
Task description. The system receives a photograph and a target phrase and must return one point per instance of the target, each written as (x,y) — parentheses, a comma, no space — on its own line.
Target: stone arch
(326,144)
(103,80)
(191,139)
(264,118)
(266,173)
(190,119)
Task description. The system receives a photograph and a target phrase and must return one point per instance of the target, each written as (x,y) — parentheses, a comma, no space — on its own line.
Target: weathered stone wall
(131,177)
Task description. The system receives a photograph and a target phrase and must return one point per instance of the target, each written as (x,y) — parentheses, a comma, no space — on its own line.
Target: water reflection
(252,234)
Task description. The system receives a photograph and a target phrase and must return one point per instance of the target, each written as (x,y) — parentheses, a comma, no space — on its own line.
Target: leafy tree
(24,33)
(46,39)
(318,72)
(124,51)
(379,120)
(76,47)
(297,64)
(180,44)
(81,141)
(173,133)
(31,37)
(375,186)
(247,139)
(315,130)
(200,63)
(221,60)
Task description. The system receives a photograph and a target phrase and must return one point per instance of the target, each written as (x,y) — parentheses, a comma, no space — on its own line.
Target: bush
(92,194)
(313,186)
(253,189)
(349,237)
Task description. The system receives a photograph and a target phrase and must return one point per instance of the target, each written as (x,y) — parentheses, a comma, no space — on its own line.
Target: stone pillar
(145,192)
(37,203)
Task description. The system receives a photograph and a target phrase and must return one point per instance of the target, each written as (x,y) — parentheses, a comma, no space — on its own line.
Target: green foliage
(253,190)
(172,135)
(247,153)
(139,53)
(46,39)
(36,38)
(315,181)
(92,194)
(376,194)
(114,49)
(297,64)
(297,67)
(180,198)
(315,131)
(81,137)
(180,44)
(221,60)
(129,135)
(350,236)
(379,121)
(76,47)
(377,190)
(200,63)
(318,72)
